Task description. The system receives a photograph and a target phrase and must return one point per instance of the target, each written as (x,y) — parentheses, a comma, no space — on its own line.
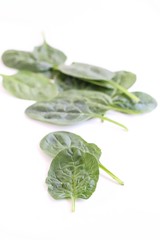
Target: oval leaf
(146,104)
(86,71)
(43,58)
(55,142)
(31,86)
(73,174)
(46,53)
(24,61)
(66,109)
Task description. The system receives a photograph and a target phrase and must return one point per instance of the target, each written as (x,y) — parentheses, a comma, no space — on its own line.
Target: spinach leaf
(55,142)
(29,85)
(23,60)
(65,82)
(70,107)
(48,54)
(73,174)
(41,59)
(124,79)
(123,104)
(99,76)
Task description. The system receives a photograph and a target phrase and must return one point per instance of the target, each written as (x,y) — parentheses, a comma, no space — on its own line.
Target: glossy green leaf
(71,107)
(41,59)
(73,174)
(123,104)
(55,142)
(29,85)
(98,76)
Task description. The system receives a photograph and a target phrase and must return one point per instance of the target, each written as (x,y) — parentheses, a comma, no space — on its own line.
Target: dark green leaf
(73,174)
(55,142)
(123,104)
(31,86)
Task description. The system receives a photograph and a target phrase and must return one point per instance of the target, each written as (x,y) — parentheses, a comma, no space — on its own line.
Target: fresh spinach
(66,82)
(55,142)
(41,59)
(73,174)
(29,85)
(71,107)
(65,95)
(100,76)
(123,104)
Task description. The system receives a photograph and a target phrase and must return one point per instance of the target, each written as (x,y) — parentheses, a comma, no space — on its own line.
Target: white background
(117,35)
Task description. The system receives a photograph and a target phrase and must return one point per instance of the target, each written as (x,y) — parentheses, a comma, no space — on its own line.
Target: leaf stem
(111,174)
(125,91)
(123,110)
(112,121)
(73,204)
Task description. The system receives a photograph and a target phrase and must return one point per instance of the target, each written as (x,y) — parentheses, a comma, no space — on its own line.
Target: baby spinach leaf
(68,109)
(98,76)
(48,54)
(86,71)
(124,79)
(55,142)
(66,82)
(23,60)
(123,104)
(41,59)
(73,174)
(29,85)
(92,96)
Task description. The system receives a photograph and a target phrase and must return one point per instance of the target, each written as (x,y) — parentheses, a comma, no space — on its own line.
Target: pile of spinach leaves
(65,95)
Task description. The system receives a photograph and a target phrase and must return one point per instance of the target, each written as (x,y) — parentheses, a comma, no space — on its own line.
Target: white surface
(109,33)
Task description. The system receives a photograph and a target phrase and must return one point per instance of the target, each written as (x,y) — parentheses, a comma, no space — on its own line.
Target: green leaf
(73,174)
(31,86)
(66,82)
(55,142)
(86,71)
(42,58)
(123,104)
(23,60)
(65,109)
(98,76)
(48,54)
(71,107)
